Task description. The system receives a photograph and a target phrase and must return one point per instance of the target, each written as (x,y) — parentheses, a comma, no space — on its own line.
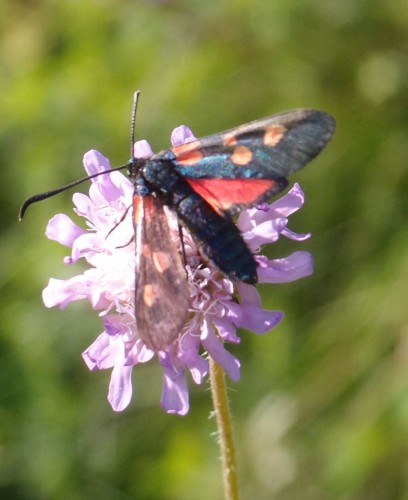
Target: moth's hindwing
(218,238)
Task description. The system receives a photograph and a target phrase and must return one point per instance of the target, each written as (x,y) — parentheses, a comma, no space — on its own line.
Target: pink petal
(295,236)
(174,397)
(264,233)
(104,353)
(95,162)
(296,266)
(182,135)
(220,355)
(142,150)
(61,292)
(62,229)
(290,202)
(83,205)
(120,387)
(189,355)
(84,245)
(225,328)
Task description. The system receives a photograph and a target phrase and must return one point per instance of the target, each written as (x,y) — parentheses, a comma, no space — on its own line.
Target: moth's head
(134,165)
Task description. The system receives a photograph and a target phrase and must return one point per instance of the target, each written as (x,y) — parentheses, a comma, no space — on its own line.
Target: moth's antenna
(132,125)
(48,194)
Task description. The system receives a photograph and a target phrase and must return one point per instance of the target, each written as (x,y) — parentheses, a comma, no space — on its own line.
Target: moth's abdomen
(218,238)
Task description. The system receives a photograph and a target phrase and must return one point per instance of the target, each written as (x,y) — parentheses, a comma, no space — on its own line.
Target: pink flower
(107,245)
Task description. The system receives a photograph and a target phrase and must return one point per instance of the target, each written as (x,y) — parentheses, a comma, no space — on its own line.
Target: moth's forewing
(161,288)
(269,148)
(249,164)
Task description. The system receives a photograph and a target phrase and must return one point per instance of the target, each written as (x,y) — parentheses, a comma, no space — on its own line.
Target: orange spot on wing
(183,148)
(188,154)
(161,261)
(273,134)
(241,155)
(229,140)
(190,157)
(149,295)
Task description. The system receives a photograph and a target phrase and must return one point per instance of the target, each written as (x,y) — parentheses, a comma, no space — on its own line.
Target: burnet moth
(205,183)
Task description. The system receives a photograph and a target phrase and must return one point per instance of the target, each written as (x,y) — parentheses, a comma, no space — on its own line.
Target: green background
(321,411)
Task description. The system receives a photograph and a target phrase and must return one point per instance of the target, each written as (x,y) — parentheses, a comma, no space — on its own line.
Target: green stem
(225,433)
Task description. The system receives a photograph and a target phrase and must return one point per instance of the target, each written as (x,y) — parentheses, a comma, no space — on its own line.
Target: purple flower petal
(250,315)
(220,355)
(64,291)
(61,228)
(95,162)
(264,224)
(83,205)
(295,236)
(290,202)
(182,135)
(264,233)
(104,353)
(174,397)
(189,355)
(226,328)
(120,387)
(105,188)
(294,267)
(85,245)
(142,150)
(258,320)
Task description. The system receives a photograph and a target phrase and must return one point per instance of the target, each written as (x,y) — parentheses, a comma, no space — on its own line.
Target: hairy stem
(225,432)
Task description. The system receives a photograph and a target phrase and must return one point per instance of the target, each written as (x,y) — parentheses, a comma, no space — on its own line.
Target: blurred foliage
(322,408)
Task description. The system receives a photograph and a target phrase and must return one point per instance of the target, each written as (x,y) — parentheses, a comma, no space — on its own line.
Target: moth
(206,182)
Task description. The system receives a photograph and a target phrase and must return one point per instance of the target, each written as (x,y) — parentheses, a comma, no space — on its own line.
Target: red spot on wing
(149,209)
(137,209)
(144,210)
(224,194)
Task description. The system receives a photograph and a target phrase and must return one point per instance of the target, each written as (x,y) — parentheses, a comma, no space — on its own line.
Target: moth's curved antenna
(48,194)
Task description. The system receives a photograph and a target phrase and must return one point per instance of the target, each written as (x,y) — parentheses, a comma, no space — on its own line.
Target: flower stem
(225,433)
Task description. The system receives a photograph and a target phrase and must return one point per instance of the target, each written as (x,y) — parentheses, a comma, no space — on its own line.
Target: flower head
(217,306)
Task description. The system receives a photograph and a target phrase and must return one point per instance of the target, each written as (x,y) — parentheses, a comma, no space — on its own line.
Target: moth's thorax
(161,175)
